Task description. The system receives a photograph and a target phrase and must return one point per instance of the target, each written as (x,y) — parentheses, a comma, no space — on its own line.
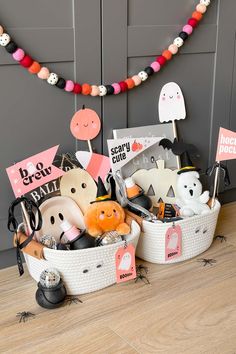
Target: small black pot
(84,240)
(141,200)
(51,298)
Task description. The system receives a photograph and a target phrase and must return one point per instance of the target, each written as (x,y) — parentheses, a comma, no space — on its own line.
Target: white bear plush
(191,200)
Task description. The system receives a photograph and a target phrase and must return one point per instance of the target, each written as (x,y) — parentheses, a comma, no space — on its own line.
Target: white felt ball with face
(125,261)
(178,42)
(102,90)
(171,103)
(4,39)
(53,78)
(205,2)
(143,75)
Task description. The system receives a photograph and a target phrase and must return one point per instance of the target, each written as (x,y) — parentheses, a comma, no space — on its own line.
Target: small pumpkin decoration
(104,215)
(161,180)
(85,124)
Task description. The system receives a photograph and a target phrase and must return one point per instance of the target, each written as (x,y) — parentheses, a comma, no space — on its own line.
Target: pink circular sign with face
(85,124)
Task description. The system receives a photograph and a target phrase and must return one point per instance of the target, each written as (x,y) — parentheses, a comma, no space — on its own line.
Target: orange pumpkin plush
(105,215)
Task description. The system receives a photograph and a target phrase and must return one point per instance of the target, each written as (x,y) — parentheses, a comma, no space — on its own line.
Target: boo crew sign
(33,172)
(124,150)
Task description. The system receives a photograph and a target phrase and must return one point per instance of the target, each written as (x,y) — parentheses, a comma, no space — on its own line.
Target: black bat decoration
(179,147)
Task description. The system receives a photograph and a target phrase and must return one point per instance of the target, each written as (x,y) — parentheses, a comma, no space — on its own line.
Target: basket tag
(125,264)
(173,242)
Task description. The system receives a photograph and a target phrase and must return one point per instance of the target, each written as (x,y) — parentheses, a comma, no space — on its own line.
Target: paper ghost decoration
(173,242)
(171,104)
(125,262)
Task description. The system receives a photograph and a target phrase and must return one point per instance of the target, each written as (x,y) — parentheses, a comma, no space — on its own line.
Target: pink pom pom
(1,30)
(69,86)
(188,29)
(18,55)
(44,73)
(116,88)
(94,90)
(201,8)
(173,49)
(156,66)
(137,80)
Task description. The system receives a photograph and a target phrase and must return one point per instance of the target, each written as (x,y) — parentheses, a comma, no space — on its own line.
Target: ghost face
(109,215)
(102,90)
(53,78)
(205,2)
(125,262)
(80,186)
(178,42)
(188,186)
(171,103)
(4,39)
(143,75)
(54,211)
(85,124)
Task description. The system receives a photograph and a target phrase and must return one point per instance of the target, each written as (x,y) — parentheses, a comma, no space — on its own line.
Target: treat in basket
(136,195)
(108,238)
(48,241)
(167,210)
(191,200)
(77,239)
(51,291)
(105,215)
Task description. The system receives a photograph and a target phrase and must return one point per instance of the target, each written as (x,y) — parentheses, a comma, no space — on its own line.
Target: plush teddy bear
(191,200)
(105,215)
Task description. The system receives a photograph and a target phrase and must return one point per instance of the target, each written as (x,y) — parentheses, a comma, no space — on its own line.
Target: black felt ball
(61,83)
(149,70)
(110,89)
(11,47)
(183,35)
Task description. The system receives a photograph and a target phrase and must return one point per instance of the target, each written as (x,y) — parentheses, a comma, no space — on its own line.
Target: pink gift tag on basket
(173,242)
(125,264)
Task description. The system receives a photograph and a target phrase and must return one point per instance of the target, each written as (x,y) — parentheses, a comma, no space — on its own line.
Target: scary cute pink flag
(226,149)
(33,172)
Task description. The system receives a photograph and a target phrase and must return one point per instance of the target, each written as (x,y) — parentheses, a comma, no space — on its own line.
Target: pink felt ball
(18,55)
(116,87)
(201,8)
(188,29)
(155,66)
(137,80)
(94,90)
(44,73)
(1,30)
(69,86)
(173,49)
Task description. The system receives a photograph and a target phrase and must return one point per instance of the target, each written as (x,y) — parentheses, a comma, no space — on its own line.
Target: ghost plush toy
(171,104)
(190,198)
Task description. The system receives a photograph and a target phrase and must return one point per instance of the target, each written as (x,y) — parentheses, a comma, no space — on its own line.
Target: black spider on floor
(139,274)
(221,238)
(73,300)
(24,316)
(206,261)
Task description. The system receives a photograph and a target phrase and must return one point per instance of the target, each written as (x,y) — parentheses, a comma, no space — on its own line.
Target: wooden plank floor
(187,308)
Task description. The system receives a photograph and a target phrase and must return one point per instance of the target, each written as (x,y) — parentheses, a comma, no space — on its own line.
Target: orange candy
(35,68)
(86,89)
(130,83)
(167,54)
(197,15)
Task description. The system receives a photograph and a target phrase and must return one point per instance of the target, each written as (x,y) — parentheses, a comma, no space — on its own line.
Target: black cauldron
(51,298)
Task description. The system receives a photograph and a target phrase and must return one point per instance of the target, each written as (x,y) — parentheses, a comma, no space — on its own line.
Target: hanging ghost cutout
(171,103)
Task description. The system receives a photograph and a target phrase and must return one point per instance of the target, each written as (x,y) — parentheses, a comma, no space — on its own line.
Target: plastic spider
(221,238)
(73,300)
(206,261)
(139,274)
(24,316)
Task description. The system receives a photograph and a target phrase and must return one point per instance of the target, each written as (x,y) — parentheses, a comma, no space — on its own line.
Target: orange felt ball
(167,54)
(35,68)
(86,89)
(197,15)
(130,83)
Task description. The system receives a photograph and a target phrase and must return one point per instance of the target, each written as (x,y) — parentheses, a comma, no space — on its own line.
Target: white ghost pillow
(171,103)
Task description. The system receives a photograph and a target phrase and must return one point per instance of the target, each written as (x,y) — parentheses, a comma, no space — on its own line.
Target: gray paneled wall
(105,41)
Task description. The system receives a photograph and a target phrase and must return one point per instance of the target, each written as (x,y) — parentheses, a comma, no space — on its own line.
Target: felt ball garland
(115,88)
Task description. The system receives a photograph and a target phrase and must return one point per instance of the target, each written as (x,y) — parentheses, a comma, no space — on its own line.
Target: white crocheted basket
(86,270)
(197,236)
